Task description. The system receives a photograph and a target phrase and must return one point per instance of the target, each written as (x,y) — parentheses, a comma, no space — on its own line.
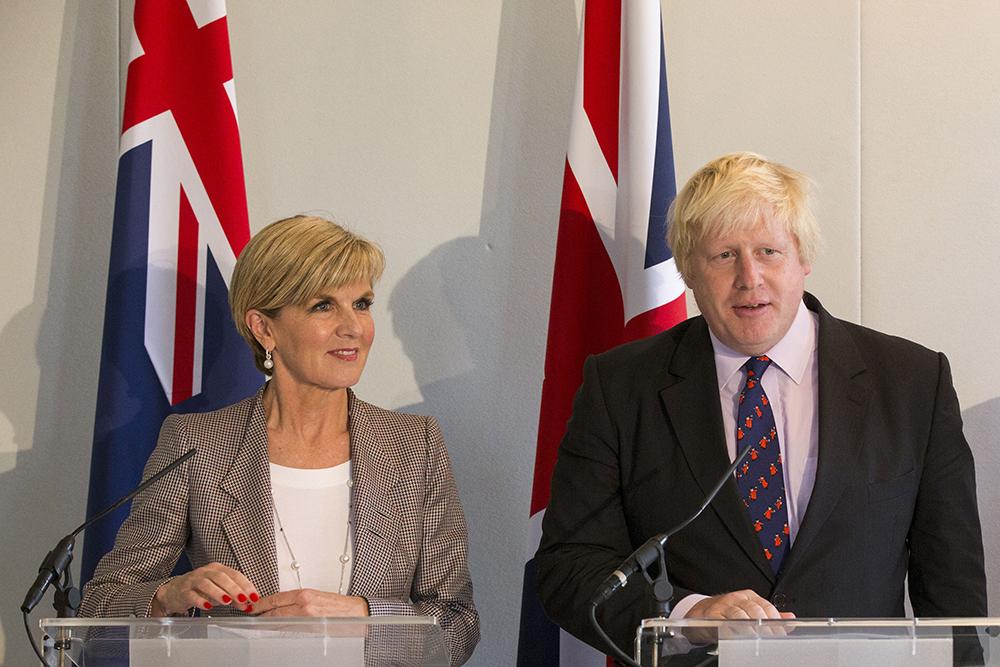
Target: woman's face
(325,343)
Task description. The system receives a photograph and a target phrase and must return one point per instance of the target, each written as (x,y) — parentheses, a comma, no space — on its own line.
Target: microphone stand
(653,550)
(663,590)
(55,570)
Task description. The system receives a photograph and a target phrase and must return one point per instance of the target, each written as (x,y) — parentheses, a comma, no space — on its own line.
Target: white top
(792,387)
(314,507)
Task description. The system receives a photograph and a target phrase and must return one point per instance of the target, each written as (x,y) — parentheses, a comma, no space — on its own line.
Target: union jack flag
(180,222)
(614,278)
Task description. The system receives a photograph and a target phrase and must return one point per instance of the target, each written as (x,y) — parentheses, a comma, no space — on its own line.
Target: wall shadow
(43,486)
(982,424)
(472,315)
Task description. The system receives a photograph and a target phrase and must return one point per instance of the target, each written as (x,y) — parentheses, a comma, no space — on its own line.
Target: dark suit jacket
(895,490)
(410,541)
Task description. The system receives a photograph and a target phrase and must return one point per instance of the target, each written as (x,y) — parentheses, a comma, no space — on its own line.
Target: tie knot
(756,366)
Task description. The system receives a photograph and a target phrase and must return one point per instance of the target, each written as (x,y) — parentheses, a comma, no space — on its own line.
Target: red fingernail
(241,597)
(207,605)
(249,608)
(226,599)
(254,597)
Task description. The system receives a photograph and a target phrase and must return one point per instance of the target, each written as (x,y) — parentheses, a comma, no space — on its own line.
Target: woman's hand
(310,602)
(208,586)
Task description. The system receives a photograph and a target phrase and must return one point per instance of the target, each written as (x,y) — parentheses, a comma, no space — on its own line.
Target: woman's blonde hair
(291,261)
(735,192)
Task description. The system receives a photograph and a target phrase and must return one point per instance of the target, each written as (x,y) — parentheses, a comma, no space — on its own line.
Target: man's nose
(748,274)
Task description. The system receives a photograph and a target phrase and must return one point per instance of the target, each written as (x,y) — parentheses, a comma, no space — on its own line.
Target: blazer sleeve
(585,533)
(151,539)
(946,570)
(441,584)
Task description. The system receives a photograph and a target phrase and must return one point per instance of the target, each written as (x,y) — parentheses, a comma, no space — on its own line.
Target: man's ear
(260,326)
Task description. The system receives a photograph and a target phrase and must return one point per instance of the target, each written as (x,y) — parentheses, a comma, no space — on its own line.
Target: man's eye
(770,251)
(363,304)
(725,255)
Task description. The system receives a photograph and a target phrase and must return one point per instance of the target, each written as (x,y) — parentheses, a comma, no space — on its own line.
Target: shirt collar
(791,354)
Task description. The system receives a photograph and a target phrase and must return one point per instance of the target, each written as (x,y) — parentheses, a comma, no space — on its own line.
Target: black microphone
(57,560)
(645,555)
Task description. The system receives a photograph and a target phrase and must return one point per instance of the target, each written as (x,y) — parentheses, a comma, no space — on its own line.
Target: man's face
(748,285)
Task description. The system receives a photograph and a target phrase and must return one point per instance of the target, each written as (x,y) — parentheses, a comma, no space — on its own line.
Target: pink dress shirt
(792,386)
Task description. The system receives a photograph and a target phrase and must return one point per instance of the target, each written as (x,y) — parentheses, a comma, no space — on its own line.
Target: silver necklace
(345,556)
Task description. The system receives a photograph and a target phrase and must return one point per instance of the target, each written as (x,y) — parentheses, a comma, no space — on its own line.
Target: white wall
(58,148)
(439,129)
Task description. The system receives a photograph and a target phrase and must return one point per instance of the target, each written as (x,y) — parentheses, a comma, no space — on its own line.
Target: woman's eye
(321,307)
(363,304)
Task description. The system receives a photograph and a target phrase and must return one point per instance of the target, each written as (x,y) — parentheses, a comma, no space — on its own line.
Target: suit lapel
(691,400)
(376,515)
(843,396)
(249,527)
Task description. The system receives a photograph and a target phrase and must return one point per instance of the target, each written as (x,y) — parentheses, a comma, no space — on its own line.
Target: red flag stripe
(187,303)
(583,281)
(602,27)
(656,320)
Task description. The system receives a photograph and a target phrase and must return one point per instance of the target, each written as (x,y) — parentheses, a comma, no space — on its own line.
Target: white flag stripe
(171,169)
(206,11)
(591,170)
(638,101)
(135,48)
(642,289)
(534,532)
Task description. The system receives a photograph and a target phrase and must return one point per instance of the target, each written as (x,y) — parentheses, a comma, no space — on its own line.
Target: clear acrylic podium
(406,641)
(819,642)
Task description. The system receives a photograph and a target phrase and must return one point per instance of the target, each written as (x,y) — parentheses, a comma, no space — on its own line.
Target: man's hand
(309,602)
(738,604)
(744,604)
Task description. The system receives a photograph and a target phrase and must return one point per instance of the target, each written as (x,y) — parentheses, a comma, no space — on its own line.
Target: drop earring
(268,363)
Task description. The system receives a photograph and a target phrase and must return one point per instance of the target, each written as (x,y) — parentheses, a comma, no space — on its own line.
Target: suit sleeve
(441,584)
(946,571)
(151,539)
(585,533)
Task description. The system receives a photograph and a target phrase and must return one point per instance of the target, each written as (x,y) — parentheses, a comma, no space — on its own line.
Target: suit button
(779,600)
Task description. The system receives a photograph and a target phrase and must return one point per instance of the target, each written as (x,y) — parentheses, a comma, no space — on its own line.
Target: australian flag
(180,223)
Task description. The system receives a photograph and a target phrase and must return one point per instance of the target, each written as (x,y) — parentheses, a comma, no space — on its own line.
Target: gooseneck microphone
(58,560)
(645,555)
(651,551)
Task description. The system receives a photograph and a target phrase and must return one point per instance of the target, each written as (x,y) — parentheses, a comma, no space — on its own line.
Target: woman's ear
(260,326)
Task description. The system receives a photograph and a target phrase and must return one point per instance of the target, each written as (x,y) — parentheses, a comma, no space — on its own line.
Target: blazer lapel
(249,527)
(376,515)
(843,397)
(691,400)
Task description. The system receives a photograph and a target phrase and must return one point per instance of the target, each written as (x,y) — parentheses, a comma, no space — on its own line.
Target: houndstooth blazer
(411,544)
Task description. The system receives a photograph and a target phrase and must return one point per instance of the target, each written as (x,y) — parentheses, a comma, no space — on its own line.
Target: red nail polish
(254,597)
(226,599)
(207,605)
(249,608)
(241,597)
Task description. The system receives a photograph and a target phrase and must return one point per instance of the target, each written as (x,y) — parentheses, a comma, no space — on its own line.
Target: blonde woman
(303,499)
